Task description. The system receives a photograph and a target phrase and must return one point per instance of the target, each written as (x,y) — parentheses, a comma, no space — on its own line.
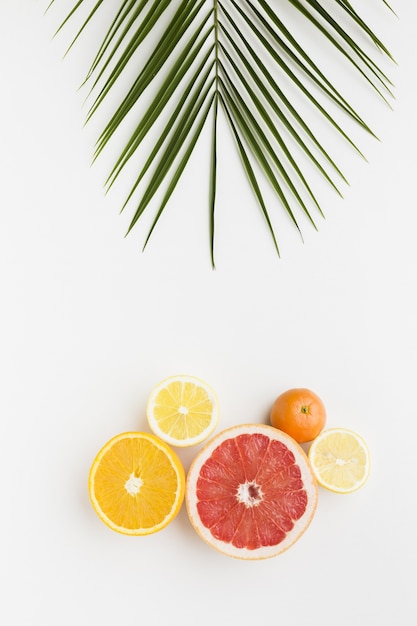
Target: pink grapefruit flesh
(250,492)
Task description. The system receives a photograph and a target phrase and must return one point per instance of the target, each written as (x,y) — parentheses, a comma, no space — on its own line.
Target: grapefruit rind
(322,460)
(300,525)
(201,435)
(176,466)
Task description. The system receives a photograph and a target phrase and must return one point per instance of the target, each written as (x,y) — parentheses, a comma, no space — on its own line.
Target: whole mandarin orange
(300,413)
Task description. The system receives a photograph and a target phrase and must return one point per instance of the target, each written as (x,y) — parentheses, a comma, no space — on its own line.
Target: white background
(89,324)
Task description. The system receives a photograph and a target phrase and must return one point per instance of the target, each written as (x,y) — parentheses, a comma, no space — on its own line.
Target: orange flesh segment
(156,495)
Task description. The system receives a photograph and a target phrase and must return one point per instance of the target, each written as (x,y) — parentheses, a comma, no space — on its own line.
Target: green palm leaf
(235,57)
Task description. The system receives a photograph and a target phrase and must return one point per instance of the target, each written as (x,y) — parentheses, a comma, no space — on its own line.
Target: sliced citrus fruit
(136,484)
(340,460)
(250,492)
(183,410)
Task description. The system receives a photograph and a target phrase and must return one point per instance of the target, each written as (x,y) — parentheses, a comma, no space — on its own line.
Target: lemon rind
(330,486)
(189,441)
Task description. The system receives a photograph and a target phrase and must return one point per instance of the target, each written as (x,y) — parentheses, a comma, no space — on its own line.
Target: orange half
(136,484)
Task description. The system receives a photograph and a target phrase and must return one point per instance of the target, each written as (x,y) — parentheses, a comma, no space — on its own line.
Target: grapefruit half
(250,492)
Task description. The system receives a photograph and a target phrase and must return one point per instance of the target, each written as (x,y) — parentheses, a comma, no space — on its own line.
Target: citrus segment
(250,492)
(183,410)
(136,484)
(340,460)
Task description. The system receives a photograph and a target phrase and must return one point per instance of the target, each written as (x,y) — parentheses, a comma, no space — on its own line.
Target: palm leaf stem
(213,174)
(213,155)
(181,165)
(183,128)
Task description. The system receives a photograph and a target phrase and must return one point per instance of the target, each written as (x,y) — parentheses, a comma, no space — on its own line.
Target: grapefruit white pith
(250,492)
